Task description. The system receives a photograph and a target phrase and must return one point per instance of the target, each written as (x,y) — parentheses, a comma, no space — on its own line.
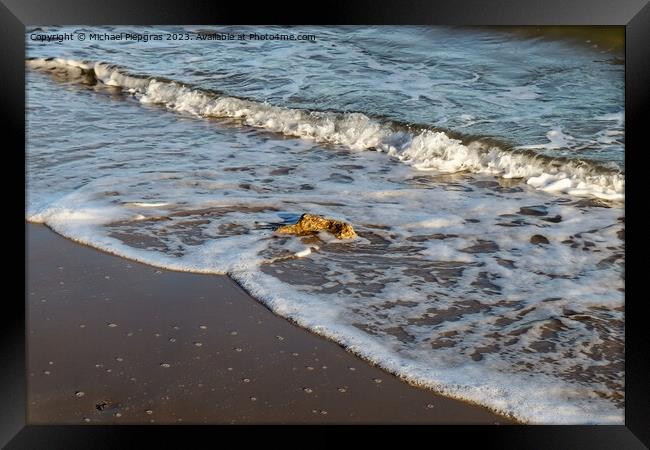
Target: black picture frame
(634,15)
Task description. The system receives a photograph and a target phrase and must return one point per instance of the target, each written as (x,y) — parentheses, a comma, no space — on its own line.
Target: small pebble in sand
(132,378)
(233,333)
(203,327)
(118,414)
(82,326)
(308,390)
(538,239)
(323,412)
(294,354)
(230,369)
(101,406)
(107,277)
(99,366)
(279,338)
(79,394)
(47,372)
(324,367)
(119,359)
(129,334)
(309,368)
(157,334)
(342,389)
(246,380)
(253,399)
(165,365)
(172,339)
(148,411)
(377,380)
(176,327)
(86,419)
(112,325)
(51,363)
(109,370)
(237,349)
(352,369)
(198,344)
(429,405)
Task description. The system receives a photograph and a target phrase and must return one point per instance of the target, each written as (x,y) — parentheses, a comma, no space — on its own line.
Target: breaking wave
(422,147)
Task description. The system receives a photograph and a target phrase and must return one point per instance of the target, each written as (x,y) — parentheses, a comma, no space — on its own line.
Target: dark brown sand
(115,341)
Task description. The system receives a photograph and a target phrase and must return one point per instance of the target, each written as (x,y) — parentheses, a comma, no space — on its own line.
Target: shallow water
(487,273)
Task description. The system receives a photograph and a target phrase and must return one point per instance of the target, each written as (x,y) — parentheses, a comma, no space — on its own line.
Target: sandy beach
(112,341)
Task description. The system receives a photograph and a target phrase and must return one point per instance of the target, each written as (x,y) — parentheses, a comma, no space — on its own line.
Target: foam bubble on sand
(305,252)
(149,204)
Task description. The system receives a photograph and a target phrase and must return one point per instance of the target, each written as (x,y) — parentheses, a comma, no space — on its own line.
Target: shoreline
(111,342)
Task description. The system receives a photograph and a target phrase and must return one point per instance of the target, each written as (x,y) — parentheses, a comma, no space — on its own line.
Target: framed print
(384,215)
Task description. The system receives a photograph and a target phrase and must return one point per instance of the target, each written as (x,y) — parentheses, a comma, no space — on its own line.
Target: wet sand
(112,341)
(609,38)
